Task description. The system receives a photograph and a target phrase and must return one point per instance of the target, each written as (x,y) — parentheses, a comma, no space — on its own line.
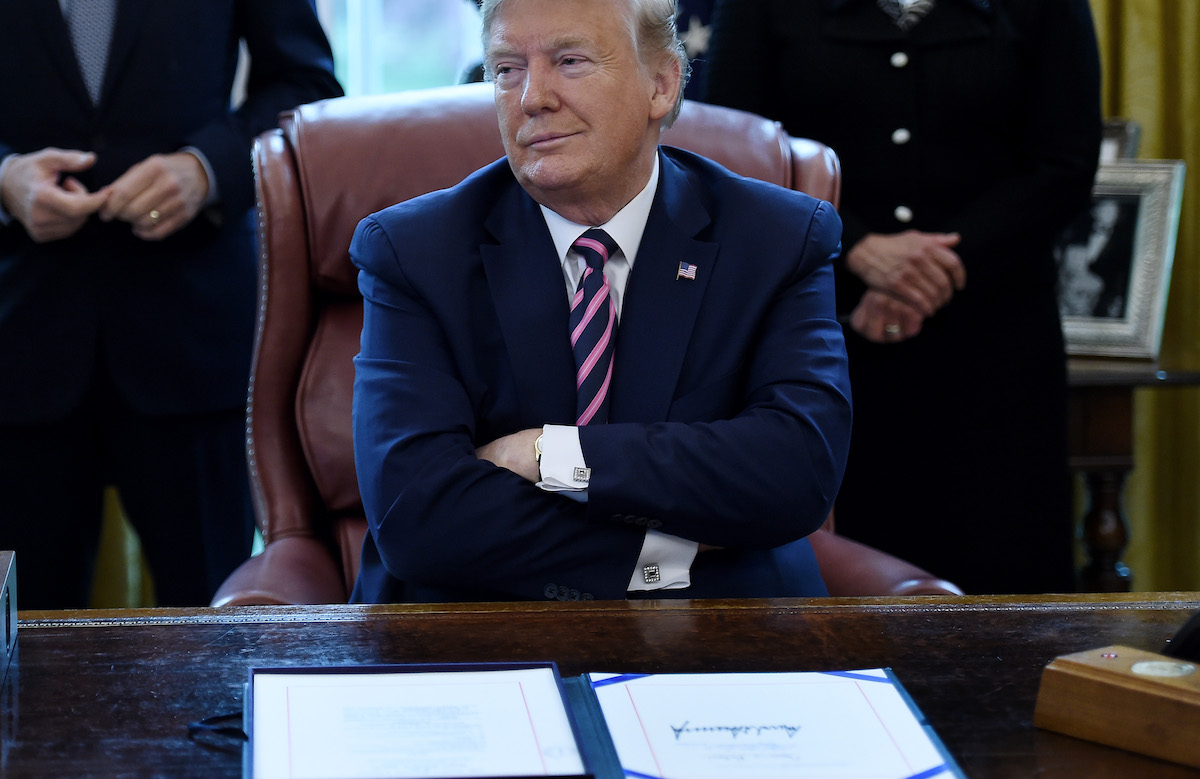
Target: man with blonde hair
(591,369)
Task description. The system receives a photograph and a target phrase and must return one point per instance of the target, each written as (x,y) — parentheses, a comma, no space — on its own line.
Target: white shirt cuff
(213,195)
(563,468)
(5,217)
(664,564)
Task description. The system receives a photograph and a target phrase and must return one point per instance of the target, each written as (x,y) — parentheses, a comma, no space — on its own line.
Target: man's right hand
(921,269)
(515,452)
(40,194)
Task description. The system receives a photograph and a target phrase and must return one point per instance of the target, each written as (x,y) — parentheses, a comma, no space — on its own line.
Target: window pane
(391,45)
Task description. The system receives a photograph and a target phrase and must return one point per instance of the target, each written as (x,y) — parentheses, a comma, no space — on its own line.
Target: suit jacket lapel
(660,309)
(126,28)
(657,317)
(530,297)
(52,25)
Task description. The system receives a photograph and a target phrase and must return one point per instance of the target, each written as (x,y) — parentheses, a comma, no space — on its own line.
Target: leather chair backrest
(336,161)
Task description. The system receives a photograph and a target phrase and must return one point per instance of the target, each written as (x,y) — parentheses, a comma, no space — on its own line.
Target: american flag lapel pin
(686,271)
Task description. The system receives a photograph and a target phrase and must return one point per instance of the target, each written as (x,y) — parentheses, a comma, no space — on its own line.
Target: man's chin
(546,176)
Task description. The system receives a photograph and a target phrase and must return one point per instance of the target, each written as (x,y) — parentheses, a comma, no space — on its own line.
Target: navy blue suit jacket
(171,321)
(730,404)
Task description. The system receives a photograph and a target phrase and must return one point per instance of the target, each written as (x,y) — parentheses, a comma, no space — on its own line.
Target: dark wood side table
(1101,448)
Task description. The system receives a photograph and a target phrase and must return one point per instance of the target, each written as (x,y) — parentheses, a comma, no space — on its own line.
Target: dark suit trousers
(182,480)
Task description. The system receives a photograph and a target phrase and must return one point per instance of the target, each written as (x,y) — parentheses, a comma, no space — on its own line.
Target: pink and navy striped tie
(593,329)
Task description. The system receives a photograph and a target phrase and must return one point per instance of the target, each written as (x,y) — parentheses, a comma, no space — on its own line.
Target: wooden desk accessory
(1126,698)
(8,602)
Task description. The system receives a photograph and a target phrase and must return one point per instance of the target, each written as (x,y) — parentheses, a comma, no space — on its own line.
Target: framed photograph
(1120,140)
(1114,261)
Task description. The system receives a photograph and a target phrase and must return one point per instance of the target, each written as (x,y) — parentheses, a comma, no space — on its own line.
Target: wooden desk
(1101,448)
(114,691)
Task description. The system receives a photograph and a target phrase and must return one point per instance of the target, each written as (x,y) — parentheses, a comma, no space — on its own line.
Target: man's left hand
(159,195)
(514,452)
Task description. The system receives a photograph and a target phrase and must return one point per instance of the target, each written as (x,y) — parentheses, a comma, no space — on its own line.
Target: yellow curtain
(1151,56)
(121,579)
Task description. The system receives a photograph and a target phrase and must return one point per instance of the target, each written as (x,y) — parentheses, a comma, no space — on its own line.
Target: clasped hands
(909,276)
(157,196)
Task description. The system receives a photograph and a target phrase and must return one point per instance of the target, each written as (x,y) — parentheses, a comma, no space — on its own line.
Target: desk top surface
(111,691)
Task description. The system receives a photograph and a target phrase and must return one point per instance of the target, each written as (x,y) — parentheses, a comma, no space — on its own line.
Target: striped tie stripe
(593,321)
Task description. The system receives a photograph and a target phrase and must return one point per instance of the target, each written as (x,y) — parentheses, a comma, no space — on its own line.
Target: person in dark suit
(127,276)
(497,459)
(968,132)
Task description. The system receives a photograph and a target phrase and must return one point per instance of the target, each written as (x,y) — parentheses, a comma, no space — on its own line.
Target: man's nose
(539,92)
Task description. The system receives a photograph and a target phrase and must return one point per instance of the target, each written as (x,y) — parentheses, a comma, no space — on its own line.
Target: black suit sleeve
(290,64)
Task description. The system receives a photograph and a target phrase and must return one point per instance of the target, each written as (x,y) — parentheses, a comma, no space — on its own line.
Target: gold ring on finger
(892,329)
(154,215)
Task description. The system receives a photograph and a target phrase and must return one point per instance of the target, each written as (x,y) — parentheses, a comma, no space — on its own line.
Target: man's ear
(667,79)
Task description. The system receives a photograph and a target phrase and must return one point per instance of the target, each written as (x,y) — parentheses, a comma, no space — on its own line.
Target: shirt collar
(626,226)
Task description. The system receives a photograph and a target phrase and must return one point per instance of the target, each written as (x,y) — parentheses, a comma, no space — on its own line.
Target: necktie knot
(595,246)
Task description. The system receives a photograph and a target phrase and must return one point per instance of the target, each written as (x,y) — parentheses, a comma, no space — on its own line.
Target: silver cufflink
(583,475)
(651,574)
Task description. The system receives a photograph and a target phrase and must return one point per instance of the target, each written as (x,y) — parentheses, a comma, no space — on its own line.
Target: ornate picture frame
(1120,140)
(1114,262)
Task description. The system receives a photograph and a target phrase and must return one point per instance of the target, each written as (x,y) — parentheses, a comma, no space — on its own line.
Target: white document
(765,725)
(509,722)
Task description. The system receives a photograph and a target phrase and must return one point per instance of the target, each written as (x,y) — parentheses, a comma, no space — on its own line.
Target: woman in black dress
(968,132)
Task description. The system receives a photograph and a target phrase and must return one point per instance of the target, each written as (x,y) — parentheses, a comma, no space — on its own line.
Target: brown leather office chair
(331,164)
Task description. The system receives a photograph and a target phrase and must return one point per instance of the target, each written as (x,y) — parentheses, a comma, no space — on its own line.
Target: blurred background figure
(968,132)
(127,276)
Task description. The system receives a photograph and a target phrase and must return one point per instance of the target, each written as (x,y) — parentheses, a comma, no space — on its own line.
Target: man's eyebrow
(505,51)
(569,42)
(552,45)
(500,49)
